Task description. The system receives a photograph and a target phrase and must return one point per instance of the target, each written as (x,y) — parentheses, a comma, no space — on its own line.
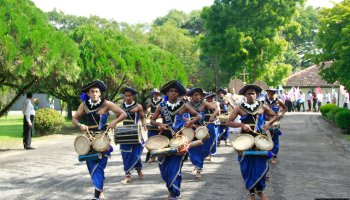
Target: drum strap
(165,112)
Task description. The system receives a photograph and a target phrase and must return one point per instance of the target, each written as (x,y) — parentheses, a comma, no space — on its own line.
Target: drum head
(101,143)
(189,133)
(178,141)
(157,142)
(202,132)
(263,142)
(82,145)
(243,142)
(223,118)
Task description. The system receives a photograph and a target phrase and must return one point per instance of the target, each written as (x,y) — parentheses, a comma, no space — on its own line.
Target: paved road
(314,162)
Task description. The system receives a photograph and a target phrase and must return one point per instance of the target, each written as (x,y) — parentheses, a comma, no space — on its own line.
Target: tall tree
(245,34)
(31,50)
(334,42)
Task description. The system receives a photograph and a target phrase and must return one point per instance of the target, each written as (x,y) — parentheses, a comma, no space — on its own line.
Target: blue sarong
(170,170)
(253,169)
(276,142)
(199,153)
(223,132)
(131,154)
(96,169)
(216,139)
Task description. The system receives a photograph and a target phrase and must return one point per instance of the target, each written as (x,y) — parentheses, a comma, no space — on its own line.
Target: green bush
(326,108)
(331,113)
(48,121)
(342,118)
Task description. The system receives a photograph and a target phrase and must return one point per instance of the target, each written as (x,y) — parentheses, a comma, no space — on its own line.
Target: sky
(134,11)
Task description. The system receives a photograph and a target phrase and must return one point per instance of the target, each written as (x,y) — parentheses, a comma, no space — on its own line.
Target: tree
(246,34)
(334,41)
(31,50)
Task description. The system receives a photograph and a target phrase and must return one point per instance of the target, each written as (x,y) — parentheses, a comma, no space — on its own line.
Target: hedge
(340,116)
(48,121)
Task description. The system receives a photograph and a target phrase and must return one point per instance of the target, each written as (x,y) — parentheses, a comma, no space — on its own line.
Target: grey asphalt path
(314,162)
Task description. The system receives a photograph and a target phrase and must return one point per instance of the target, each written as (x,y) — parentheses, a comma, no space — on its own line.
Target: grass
(347,137)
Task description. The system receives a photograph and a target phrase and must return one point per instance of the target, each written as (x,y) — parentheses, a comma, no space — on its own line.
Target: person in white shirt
(319,101)
(328,97)
(346,99)
(301,101)
(308,98)
(28,121)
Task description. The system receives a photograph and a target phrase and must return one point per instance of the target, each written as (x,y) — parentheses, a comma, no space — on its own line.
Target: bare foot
(274,161)
(127,180)
(262,196)
(140,174)
(102,196)
(153,159)
(194,171)
(252,197)
(198,174)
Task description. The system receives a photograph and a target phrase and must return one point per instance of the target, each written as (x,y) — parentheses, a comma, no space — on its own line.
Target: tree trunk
(21,91)
(69,110)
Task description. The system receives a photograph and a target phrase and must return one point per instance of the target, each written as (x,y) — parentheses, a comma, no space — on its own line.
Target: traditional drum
(165,151)
(202,133)
(130,134)
(157,142)
(152,128)
(189,133)
(262,142)
(179,141)
(243,142)
(82,145)
(101,142)
(223,119)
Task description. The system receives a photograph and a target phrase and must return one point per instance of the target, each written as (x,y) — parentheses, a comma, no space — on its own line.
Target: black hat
(173,84)
(250,86)
(271,89)
(193,90)
(129,89)
(210,95)
(222,90)
(154,91)
(94,84)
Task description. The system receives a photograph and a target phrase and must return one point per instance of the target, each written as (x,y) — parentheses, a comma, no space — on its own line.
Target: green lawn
(347,137)
(11,127)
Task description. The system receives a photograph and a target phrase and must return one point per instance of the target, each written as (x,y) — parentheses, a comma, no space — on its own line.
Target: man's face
(172,94)
(155,95)
(221,94)
(251,96)
(211,99)
(196,97)
(94,94)
(270,95)
(128,97)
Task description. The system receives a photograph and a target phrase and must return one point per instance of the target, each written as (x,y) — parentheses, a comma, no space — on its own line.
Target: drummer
(253,168)
(94,110)
(172,112)
(274,103)
(210,98)
(151,108)
(208,113)
(224,103)
(131,153)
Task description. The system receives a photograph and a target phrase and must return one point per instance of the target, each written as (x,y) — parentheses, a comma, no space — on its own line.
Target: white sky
(134,11)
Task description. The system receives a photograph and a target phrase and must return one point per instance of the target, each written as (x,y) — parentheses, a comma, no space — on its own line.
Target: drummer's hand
(246,128)
(162,127)
(211,119)
(265,127)
(112,125)
(189,123)
(280,116)
(185,149)
(83,127)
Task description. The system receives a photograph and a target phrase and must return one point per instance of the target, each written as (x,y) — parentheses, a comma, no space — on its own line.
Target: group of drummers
(179,129)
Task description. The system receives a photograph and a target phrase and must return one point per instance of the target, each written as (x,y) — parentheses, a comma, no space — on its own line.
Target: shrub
(326,108)
(48,121)
(332,111)
(342,118)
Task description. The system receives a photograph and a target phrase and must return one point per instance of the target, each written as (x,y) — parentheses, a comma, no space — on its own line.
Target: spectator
(346,99)
(301,101)
(314,101)
(319,101)
(309,98)
(28,121)
(328,97)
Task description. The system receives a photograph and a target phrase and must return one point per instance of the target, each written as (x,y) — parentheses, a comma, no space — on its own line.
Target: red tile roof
(308,77)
